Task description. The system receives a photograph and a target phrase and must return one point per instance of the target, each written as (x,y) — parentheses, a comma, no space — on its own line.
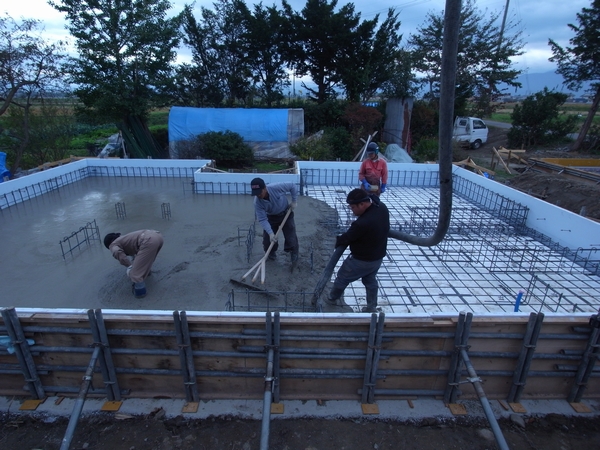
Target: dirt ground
(560,190)
(552,432)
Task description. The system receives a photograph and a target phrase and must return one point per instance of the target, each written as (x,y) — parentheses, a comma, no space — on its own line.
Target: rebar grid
(165,209)
(120,210)
(145,172)
(75,240)
(485,260)
(269,301)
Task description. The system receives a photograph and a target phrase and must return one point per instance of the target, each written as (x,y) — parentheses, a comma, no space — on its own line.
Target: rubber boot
(139,289)
(294,261)
(371,301)
(334,296)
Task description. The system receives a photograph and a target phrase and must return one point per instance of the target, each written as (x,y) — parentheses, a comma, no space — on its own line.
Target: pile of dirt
(559,189)
(579,197)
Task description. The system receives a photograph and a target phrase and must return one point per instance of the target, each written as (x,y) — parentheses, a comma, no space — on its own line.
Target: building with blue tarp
(268,131)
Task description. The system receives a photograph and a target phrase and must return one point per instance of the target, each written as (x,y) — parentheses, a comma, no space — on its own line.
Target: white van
(470,131)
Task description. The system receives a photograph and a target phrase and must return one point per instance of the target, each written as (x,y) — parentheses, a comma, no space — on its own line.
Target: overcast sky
(538,20)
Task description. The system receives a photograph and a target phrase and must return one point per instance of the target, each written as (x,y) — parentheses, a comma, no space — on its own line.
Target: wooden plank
(190,407)
(457,409)
(501,160)
(277,408)
(517,407)
(111,406)
(31,405)
(369,408)
(580,407)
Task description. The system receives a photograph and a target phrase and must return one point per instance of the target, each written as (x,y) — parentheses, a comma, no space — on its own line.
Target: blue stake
(518,301)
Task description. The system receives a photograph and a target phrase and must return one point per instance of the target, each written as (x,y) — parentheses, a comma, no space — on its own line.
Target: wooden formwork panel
(320,357)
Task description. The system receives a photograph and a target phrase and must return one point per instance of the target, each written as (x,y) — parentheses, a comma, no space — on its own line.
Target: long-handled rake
(260,265)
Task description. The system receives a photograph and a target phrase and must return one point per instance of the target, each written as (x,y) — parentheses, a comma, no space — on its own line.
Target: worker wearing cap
(373,172)
(142,247)
(270,206)
(367,238)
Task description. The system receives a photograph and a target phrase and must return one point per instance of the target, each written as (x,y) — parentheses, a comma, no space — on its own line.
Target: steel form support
(590,355)
(107,366)
(530,339)
(372,358)
(186,358)
(276,357)
(21,347)
(461,336)
(269,383)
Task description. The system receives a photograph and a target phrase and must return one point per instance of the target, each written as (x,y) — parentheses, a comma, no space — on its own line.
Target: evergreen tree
(581,61)
(483,61)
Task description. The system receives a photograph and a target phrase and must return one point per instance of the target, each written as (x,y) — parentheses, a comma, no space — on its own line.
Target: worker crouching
(136,251)
(373,171)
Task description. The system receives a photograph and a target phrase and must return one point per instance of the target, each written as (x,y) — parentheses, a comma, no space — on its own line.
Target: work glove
(383,185)
(273,237)
(293,205)
(366,184)
(129,270)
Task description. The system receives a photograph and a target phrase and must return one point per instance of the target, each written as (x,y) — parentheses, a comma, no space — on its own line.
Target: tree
(381,60)
(403,82)
(322,41)
(126,51)
(581,61)
(483,62)
(30,70)
(265,38)
(538,120)
(218,44)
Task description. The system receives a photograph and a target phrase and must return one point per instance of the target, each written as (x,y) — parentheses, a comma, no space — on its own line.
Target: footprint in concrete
(178,268)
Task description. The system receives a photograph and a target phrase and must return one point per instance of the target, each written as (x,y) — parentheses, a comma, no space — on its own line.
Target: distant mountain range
(535,82)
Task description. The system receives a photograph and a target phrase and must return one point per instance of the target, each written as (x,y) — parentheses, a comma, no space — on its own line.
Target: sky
(538,21)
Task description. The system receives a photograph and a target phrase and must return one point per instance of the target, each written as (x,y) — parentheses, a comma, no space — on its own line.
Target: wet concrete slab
(35,274)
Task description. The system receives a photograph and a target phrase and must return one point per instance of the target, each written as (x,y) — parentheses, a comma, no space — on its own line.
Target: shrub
(339,142)
(537,120)
(427,149)
(228,149)
(315,148)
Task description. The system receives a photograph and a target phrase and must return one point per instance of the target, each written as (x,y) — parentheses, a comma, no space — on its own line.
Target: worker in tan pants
(143,247)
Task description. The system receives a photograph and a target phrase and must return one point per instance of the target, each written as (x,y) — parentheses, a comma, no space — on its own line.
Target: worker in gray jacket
(137,251)
(270,206)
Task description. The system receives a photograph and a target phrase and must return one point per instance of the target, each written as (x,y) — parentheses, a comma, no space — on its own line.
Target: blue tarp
(4,172)
(256,125)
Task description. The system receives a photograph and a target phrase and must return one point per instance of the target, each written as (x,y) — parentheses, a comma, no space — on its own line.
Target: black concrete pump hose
(447,89)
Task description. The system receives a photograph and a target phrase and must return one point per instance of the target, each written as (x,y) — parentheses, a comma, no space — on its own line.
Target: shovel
(260,265)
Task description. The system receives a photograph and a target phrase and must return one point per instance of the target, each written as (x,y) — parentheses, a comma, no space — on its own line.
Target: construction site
(503,309)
